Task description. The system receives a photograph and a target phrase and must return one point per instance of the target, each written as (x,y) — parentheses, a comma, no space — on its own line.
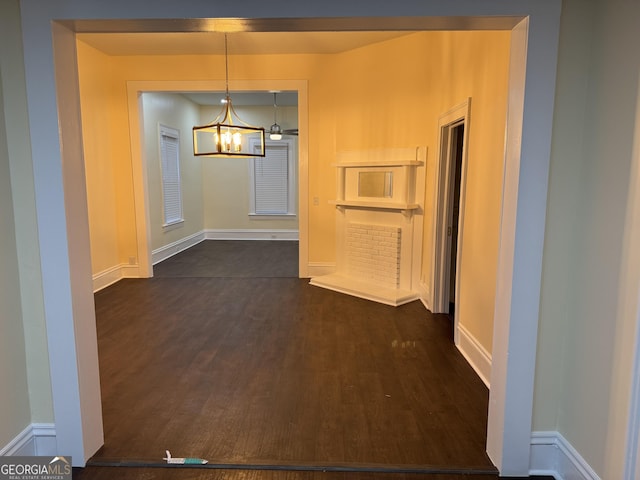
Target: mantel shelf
(385,163)
(375,205)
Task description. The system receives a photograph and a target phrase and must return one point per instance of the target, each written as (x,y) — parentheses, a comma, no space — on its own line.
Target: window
(170,166)
(273,180)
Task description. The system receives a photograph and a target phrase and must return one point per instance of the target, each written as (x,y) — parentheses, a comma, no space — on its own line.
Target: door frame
(60,194)
(443,198)
(143,226)
(629,346)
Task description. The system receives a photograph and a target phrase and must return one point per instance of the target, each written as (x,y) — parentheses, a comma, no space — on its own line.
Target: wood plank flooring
(250,371)
(233,258)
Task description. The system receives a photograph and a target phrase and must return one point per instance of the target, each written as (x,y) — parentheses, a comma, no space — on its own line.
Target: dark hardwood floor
(276,372)
(233,258)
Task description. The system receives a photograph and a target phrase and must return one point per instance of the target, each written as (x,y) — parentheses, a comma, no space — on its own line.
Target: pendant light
(228,136)
(275,132)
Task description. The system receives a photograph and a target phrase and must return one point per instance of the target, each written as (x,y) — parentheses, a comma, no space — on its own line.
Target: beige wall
(24,367)
(564,197)
(15,414)
(107,153)
(226,181)
(177,112)
(484,78)
(591,275)
(96,100)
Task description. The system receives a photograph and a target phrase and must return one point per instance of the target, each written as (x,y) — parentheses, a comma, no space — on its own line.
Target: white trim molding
(162,253)
(475,353)
(60,192)
(364,289)
(35,439)
(106,277)
(443,206)
(112,275)
(425,295)
(251,234)
(552,454)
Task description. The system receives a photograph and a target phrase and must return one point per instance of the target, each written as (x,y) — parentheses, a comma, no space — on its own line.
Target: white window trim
(292,180)
(165,131)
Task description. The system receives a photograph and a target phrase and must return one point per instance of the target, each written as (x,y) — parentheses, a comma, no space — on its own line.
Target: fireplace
(379,220)
(373,253)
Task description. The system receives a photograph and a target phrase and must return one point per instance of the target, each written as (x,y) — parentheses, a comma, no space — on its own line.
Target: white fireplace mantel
(379,225)
(399,164)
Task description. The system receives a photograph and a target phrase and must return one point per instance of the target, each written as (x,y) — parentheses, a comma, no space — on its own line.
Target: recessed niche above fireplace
(386,183)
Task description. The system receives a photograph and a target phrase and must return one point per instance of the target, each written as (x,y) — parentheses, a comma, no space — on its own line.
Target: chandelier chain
(226,66)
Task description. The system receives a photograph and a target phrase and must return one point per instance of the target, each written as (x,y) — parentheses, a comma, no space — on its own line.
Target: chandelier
(228,136)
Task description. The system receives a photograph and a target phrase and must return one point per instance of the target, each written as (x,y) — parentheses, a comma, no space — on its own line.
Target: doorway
(456,147)
(449,209)
(509,446)
(146,257)
(219,199)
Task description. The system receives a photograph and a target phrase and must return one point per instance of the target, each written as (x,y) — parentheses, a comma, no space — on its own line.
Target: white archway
(135,88)
(61,199)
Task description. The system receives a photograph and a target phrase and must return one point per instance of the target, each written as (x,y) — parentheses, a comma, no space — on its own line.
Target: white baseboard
(106,277)
(130,271)
(112,275)
(475,353)
(162,253)
(423,291)
(317,269)
(44,435)
(251,234)
(552,454)
(35,439)
(21,445)
(363,289)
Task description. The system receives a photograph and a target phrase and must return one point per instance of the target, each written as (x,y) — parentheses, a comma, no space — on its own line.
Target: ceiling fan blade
(290,131)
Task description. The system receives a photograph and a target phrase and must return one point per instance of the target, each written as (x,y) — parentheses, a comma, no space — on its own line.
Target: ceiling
(239,43)
(284,36)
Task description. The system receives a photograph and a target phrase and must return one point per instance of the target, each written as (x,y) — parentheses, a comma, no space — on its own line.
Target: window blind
(272,181)
(171,188)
